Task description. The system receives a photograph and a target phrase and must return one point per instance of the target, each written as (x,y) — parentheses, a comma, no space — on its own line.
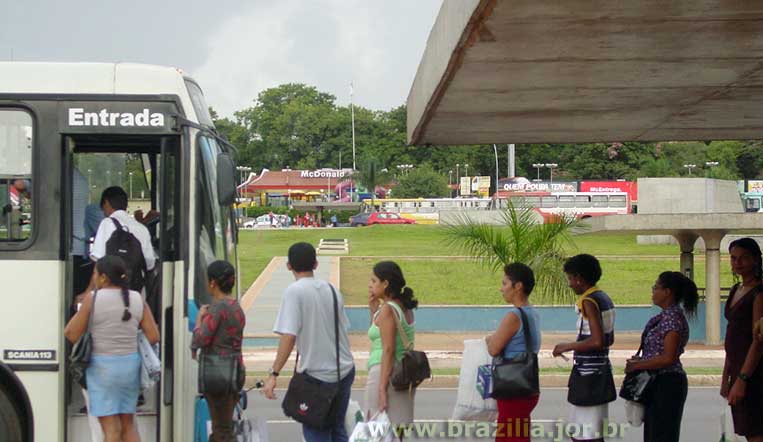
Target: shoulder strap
(336,330)
(116,223)
(526,329)
(398,322)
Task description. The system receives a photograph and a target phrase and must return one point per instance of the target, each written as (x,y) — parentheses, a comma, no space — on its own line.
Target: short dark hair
(518,272)
(302,257)
(585,266)
(116,196)
(224,275)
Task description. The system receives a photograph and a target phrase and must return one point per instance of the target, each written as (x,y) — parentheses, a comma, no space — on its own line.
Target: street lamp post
(551,167)
(130,174)
(450,182)
(495,150)
(538,166)
(690,167)
(466,169)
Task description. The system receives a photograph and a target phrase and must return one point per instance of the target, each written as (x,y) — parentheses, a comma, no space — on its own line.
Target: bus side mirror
(226,179)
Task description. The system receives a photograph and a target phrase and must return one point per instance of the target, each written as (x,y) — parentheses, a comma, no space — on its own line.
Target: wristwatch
(744,377)
(272,372)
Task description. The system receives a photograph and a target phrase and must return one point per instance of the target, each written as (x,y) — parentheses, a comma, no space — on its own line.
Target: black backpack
(126,246)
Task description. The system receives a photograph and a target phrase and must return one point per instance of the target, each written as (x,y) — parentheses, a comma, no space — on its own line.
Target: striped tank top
(593,360)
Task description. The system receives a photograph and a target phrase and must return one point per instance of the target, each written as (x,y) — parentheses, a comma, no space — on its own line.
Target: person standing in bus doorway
(114,206)
(113,375)
(220,330)
(591,383)
(306,318)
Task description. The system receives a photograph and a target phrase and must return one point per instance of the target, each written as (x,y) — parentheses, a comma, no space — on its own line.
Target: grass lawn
(456,281)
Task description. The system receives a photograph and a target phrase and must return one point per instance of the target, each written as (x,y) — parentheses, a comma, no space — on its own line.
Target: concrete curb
(262,280)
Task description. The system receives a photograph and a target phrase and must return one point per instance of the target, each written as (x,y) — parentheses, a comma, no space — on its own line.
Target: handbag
(308,400)
(413,368)
(591,385)
(220,374)
(635,387)
(79,358)
(516,377)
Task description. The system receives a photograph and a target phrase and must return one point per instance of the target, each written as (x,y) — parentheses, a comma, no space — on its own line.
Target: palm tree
(371,175)
(521,238)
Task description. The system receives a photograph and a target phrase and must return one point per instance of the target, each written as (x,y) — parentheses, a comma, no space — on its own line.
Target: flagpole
(352,116)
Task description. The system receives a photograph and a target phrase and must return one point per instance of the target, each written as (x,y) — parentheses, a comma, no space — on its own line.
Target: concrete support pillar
(713,286)
(686,240)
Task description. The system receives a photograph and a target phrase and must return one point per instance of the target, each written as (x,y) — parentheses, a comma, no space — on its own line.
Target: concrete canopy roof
(542,71)
(672,224)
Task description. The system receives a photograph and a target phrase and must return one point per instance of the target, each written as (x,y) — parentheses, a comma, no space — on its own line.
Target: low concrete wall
(554,319)
(494,217)
(699,245)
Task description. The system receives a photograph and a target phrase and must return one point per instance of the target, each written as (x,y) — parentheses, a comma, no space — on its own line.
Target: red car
(367,219)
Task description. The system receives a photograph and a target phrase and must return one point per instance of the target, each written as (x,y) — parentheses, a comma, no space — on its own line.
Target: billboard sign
(481,185)
(521,184)
(755,186)
(628,187)
(466,186)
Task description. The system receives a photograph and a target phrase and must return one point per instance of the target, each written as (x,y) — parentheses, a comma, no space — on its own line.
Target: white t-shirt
(107,228)
(307,312)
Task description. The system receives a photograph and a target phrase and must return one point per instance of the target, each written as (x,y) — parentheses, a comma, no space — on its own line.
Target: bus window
(599,201)
(752,204)
(15,175)
(582,201)
(548,202)
(566,201)
(215,221)
(617,201)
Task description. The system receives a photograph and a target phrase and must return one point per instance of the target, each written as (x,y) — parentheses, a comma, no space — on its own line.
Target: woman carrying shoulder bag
(665,337)
(509,341)
(218,334)
(390,301)
(113,374)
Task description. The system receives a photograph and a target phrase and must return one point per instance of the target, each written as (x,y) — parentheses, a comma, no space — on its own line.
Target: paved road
(701,416)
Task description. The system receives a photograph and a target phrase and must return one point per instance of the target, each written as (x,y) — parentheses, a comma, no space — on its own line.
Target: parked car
(367,219)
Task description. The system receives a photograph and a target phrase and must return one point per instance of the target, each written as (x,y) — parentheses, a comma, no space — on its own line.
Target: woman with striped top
(596,333)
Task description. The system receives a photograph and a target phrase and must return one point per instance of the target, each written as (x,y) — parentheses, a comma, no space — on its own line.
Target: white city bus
(67,131)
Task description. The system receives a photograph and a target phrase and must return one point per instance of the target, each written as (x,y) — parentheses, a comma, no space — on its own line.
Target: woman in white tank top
(113,375)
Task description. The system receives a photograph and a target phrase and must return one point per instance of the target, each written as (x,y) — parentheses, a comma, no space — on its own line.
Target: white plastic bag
(634,413)
(250,430)
(377,429)
(150,366)
(469,402)
(727,425)
(353,416)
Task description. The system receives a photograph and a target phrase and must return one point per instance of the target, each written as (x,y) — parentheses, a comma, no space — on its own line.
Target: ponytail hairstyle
(750,246)
(115,269)
(684,290)
(389,271)
(223,274)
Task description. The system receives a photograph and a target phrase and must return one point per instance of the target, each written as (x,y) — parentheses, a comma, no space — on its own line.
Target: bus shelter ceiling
(544,71)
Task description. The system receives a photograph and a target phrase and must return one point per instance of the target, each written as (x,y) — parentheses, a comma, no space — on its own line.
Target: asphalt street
(434,406)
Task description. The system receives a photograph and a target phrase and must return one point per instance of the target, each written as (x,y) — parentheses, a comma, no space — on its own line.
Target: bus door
(148,168)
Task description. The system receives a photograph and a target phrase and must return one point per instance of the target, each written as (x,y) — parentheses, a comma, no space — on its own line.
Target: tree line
(296,125)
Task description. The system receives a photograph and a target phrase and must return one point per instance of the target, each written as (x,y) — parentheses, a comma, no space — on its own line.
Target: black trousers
(665,408)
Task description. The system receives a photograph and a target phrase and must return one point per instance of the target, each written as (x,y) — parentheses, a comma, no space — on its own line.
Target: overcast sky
(236,48)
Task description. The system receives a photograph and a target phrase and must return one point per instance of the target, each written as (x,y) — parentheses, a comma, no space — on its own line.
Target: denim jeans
(336,433)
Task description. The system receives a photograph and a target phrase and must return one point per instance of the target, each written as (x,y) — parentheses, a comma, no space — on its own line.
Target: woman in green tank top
(389,302)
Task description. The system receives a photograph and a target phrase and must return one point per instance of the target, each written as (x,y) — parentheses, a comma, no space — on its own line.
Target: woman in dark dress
(742,383)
